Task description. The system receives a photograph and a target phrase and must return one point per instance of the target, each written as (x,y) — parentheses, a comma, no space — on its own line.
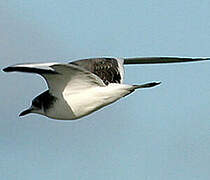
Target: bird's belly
(86,101)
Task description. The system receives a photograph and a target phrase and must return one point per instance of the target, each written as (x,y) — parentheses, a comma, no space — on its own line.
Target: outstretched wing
(38,68)
(157,60)
(59,76)
(110,70)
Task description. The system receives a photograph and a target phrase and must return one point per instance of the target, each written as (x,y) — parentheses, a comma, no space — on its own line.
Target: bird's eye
(37,103)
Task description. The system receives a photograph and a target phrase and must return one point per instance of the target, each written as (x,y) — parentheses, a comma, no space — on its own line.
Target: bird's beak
(25,112)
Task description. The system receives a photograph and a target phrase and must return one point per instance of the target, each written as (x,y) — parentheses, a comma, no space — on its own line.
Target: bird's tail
(147,85)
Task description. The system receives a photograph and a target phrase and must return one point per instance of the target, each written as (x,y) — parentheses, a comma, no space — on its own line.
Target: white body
(76,104)
(84,86)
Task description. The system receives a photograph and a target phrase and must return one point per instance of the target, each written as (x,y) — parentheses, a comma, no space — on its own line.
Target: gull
(81,87)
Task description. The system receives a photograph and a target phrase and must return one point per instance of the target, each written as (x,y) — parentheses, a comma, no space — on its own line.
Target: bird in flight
(81,87)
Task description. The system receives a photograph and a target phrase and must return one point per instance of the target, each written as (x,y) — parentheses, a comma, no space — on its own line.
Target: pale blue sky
(154,134)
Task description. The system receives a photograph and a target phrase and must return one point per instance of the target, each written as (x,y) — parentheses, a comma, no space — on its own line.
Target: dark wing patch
(105,68)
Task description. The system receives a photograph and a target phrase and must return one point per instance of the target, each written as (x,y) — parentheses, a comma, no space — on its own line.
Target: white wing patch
(121,68)
(71,78)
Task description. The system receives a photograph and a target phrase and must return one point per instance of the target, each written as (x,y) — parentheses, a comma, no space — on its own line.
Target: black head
(40,104)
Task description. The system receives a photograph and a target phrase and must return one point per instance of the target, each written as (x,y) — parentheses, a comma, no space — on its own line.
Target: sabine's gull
(81,87)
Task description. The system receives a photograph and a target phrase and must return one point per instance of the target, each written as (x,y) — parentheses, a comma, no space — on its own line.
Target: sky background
(154,134)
